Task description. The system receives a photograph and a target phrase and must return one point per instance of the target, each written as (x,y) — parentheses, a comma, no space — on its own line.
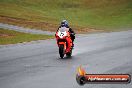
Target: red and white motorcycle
(64,42)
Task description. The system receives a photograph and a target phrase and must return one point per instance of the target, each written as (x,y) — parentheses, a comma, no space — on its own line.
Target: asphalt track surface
(37,65)
(25,30)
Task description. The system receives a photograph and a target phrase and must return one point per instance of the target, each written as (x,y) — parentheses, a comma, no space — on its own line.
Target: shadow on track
(65,58)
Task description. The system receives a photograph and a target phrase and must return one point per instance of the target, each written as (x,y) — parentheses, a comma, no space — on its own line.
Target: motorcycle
(64,42)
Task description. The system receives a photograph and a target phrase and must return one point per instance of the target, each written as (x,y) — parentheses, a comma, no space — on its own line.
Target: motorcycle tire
(69,53)
(61,51)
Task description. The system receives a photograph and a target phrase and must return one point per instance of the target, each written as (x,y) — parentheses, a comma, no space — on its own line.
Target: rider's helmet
(64,23)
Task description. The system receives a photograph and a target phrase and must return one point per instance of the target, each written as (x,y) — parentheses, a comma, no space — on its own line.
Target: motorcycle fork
(63,43)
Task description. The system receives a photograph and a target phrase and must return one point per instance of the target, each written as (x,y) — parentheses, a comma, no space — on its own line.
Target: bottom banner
(82,78)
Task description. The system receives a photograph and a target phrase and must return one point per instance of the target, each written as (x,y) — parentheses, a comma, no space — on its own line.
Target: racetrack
(25,30)
(37,65)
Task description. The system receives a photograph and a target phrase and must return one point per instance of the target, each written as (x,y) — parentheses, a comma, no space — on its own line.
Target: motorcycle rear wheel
(69,53)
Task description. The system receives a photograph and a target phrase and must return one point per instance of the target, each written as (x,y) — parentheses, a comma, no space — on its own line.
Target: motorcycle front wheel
(61,51)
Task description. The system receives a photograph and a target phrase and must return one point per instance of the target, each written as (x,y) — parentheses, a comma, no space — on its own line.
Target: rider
(64,23)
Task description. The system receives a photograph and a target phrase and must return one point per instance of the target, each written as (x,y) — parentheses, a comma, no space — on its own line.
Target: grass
(109,15)
(12,37)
